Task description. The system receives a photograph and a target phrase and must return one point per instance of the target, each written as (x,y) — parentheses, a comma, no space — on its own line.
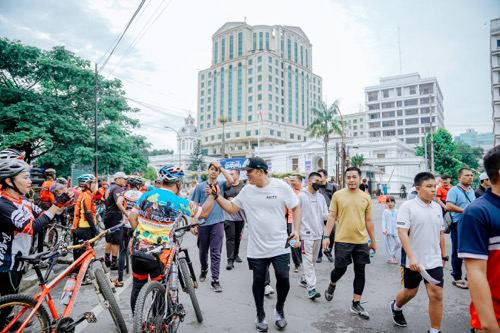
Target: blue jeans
(456,262)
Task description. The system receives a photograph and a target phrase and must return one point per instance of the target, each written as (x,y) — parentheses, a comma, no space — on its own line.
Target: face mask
(316,186)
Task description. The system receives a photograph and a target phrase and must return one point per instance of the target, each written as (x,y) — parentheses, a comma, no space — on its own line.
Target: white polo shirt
(425,222)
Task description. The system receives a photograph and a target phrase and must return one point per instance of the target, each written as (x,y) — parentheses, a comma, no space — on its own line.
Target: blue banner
(232,163)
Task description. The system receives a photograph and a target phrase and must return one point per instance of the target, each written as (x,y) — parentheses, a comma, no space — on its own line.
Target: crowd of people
(289,222)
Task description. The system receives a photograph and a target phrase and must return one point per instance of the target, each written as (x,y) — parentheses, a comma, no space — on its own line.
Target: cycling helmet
(12,167)
(134,180)
(86,179)
(105,183)
(61,180)
(150,188)
(170,174)
(10,153)
(49,171)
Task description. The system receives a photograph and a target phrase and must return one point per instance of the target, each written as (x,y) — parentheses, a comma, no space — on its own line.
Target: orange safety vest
(46,197)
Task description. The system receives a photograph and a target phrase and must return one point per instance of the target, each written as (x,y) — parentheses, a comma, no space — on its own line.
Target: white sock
(396,308)
(435,330)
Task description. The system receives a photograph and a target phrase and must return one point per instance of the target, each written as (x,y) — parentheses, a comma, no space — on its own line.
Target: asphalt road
(233,310)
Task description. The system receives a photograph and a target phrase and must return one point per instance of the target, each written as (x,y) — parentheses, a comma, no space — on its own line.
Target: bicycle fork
(98,291)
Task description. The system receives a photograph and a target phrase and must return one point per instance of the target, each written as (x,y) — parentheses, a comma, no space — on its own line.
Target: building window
(388,114)
(236,134)
(250,80)
(425,120)
(271,132)
(261,42)
(409,102)
(223,51)
(256,132)
(412,131)
(380,155)
(388,105)
(295,164)
(267,40)
(250,71)
(388,123)
(215,51)
(412,140)
(219,136)
(427,88)
(390,133)
(231,47)
(372,96)
(259,87)
(398,91)
(289,49)
(424,110)
(374,125)
(374,134)
(259,68)
(228,135)
(385,93)
(307,60)
(374,107)
(289,93)
(400,131)
(240,44)
(400,122)
(413,90)
(254,41)
(250,90)
(278,133)
(222,76)
(230,94)
(374,115)
(400,113)
(301,55)
(259,78)
(249,118)
(411,112)
(239,90)
(249,133)
(203,77)
(250,108)
(250,99)
(412,121)
(299,137)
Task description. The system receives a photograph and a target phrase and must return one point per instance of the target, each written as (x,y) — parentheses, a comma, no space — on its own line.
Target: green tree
(326,122)
(47,111)
(197,157)
(150,174)
(358,160)
(156,152)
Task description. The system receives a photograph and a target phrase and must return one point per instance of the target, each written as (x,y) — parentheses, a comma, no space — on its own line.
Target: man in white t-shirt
(420,228)
(265,202)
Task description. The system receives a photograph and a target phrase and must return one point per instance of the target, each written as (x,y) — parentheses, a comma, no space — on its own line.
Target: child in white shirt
(390,230)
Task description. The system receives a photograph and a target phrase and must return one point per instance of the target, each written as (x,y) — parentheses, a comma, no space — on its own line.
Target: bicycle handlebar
(90,241)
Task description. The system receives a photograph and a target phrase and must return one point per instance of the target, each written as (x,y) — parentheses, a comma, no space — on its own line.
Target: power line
(123,34)
(149,105)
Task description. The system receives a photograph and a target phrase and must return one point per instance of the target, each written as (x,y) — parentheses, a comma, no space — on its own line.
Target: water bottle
(371,250)
(173,281)
(68,289)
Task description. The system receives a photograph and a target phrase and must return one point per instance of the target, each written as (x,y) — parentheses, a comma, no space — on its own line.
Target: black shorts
(113,237)
(411,279)
(346,253)
(112,218)
(281,262)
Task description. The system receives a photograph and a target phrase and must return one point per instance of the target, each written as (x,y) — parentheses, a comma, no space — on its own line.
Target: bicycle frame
(85,260)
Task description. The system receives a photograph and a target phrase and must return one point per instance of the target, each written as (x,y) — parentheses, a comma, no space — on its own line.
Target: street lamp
(223,121)
(178,140)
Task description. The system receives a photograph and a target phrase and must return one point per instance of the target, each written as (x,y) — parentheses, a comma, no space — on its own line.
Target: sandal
(460,284)
(118,283)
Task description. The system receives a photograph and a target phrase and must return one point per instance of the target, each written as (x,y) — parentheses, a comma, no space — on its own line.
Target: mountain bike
(21,313)
(158,308)
(100,216)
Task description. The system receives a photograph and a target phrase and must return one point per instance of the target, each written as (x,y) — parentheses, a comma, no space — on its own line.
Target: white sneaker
(268,290)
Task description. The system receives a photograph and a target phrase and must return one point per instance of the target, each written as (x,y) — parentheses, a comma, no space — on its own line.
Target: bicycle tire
(188,283)
(108,296)
(51,238)
(155,291)
(27,302)
(100,222)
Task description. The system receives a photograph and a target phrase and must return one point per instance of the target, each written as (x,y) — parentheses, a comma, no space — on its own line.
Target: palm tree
(357,160)
(326,122)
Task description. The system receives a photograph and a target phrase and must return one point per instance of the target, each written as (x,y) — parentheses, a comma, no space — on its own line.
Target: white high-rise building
(355,124)
(495,76)
(256,70)
(401,106)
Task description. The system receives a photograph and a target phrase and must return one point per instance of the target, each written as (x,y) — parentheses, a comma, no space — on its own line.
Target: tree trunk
(325,162)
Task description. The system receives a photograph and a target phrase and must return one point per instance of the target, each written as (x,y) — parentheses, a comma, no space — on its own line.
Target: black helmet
(10,153)
(134,181)
(12,167)
(61,180)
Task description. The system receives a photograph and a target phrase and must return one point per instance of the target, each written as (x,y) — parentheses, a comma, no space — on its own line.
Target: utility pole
(96,87)
(432,135)
(223,121)
(425,153)
(343,147)
(337,161)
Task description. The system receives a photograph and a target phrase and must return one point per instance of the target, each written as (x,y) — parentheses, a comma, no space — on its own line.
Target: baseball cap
(254,163)
(483,176)
(120,175)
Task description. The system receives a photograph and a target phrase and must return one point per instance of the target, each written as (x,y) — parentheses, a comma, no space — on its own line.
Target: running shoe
(356,308)
(318,260)
(329,292)
(261,324)
(230,264)
(268,290)
(313,294)
(280,319)
(302,283)
(203,275)
(397,316)
(329,256)
(238,259)
(215,285)
(113,267)
(297,268)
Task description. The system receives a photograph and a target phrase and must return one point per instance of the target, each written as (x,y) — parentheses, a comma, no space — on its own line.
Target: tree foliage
(358,160)
(197,157)
(450,156)
(150,174)
(47,111)
(326,122)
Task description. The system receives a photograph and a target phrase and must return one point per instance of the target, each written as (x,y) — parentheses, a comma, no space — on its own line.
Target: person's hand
(72,230)
(217,165)
(414,265)
(373,246)
(326,243)
(63,199)
(194,231)
(208,190)
(296,237)
(214,190)
(385,232)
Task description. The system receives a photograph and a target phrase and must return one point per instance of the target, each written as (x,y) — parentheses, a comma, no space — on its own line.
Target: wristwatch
(326,236)
(446,258)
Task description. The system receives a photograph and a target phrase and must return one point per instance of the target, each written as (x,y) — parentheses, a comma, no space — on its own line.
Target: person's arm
(207,206)
(370,227)
(442,245)
(227,205)
(330,223)
(119,204)
(87,212)
(297,220)
(226,173)
(451,201)
(132,219)
(384,222)
(405,242)
(450,206)
(439,201)
(480,293)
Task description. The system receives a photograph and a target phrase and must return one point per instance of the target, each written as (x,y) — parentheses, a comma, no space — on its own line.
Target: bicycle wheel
(51,237)
(188,283)
(109,300)
(12,306)
(150,308)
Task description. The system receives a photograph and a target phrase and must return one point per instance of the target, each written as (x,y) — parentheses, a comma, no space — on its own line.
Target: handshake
(213,189)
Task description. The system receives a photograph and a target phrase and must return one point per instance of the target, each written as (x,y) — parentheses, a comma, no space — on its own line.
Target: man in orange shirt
(442,191)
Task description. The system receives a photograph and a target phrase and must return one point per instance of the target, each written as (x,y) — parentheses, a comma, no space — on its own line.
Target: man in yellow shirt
(351,209)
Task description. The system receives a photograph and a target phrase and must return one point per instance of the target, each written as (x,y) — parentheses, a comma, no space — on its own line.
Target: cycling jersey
(99,194)
(157,210)
(85,211)
(19,220)
(46,197)
(131,197)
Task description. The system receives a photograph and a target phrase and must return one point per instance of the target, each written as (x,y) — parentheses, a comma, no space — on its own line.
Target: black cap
(254,163)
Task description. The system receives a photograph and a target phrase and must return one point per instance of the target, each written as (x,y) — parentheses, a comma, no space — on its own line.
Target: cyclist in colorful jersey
(19,221)
(128,200)
(153,218)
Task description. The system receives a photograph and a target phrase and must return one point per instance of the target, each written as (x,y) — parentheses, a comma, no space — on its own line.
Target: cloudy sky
(354,44)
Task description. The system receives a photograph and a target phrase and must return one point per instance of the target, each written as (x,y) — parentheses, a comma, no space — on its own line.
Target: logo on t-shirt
(271,197)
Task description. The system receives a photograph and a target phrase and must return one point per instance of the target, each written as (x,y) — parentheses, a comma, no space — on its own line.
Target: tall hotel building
(495,76)
(402,106)
(256,69)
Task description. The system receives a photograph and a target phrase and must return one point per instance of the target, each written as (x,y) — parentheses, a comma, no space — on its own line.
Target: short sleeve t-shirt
(460,198)
(265,209)
(442,193)
(113,214)
(232,192)
(131,197)
(479,238)
(200,196)
(425,222)
(351,208)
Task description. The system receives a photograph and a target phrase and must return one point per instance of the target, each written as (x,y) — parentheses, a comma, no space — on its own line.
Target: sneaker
(297,268)
(230,264)
(280,319)
(319,260)
(118,283)
(329,256)
(238,259)
(397,316)
(313,294)
(359,310)
(302,283)
(329,292)
(268,290)
(216,286)
(113,267)
(261,324)
(203,275)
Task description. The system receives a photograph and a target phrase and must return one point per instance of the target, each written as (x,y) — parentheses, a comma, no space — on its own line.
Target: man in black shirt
(113,216)
(327,189)
(485,183)
(364,186)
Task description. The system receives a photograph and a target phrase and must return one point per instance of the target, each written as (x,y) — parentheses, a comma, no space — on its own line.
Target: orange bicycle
(21,313)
